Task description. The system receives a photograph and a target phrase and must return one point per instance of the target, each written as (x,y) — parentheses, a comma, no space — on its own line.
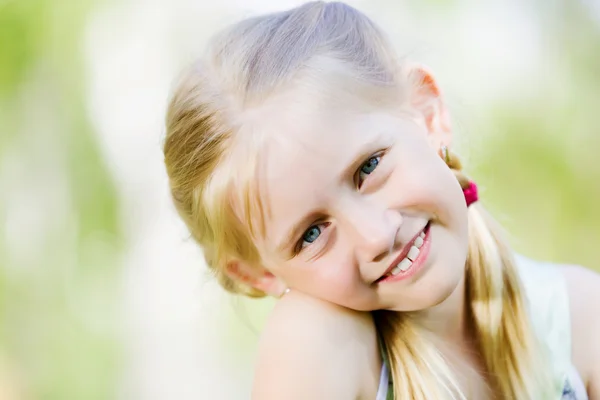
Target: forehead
(297,140)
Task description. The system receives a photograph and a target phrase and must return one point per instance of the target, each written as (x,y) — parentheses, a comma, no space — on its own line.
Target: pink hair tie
(470,192)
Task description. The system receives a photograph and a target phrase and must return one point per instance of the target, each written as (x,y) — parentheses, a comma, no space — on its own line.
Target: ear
(425,98)
(257,277)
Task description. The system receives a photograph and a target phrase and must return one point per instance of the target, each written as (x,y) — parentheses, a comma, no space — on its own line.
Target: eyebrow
(366,149)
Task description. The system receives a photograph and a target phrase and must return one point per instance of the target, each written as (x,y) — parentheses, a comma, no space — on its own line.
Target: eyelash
(377,156)
(320,226)
(300,245)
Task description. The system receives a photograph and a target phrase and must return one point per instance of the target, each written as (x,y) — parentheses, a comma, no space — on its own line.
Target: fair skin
(336,223)
(312,349)
(329,366)
(583,286)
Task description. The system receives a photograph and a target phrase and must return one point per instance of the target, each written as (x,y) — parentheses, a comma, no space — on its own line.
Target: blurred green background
(102,296)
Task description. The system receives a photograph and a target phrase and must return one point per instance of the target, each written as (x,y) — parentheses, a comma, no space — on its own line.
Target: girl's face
(362,211)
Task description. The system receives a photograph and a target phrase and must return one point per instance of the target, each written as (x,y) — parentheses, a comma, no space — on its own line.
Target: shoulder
(583,286)
(564,302)
(547,299)
(314,349)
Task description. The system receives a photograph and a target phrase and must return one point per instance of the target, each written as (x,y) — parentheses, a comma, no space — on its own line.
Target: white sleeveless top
(546,293)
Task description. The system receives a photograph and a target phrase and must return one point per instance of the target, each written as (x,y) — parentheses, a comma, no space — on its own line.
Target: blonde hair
(211,155)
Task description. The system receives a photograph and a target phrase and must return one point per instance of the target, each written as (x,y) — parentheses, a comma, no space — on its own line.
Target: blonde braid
(513,356)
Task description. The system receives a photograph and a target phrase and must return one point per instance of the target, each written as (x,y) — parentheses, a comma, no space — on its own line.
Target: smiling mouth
(407,257)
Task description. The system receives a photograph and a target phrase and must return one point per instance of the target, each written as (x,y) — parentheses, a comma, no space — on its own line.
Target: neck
(448,321)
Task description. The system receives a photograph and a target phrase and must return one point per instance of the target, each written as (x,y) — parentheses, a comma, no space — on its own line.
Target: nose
(374,229)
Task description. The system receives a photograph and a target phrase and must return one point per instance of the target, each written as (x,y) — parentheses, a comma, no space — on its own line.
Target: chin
(446,291)
(438,284)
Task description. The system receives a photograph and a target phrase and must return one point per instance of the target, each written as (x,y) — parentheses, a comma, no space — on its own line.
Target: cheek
(332,277)
(422,181)
(422,178)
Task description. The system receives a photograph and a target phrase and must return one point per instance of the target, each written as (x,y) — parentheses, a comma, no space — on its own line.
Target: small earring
(286,291)
(445,154)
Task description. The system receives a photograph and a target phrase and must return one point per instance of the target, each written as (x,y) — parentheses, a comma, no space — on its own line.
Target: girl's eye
(311,234)
(367,168)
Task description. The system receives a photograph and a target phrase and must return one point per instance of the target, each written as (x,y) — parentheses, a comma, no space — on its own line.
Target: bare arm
(584,296)
(315,350)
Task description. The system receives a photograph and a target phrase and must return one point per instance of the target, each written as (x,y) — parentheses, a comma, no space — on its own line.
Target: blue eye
(367,168)
(311,234)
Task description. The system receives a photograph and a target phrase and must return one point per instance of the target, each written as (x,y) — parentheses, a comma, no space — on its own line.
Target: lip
(403,253)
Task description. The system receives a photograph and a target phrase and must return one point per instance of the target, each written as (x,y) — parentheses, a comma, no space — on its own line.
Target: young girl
(311,164)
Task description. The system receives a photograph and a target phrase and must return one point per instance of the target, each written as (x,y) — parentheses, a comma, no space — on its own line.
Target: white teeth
(418,242)
(404,264)
(413,253)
